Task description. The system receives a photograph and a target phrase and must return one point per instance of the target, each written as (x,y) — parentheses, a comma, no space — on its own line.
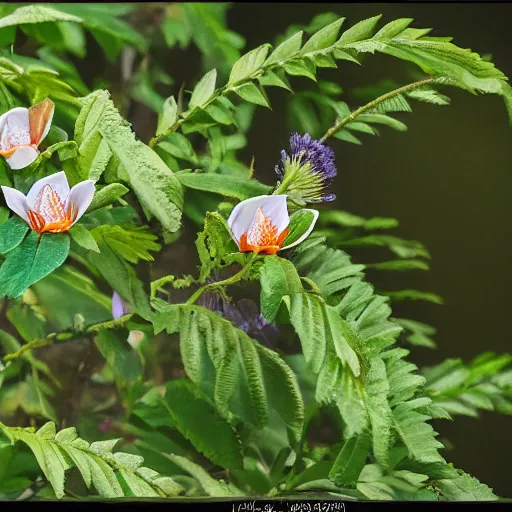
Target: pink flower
(51,206)
(21,132)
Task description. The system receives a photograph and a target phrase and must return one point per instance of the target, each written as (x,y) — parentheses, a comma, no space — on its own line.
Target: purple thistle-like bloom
(244,315)
(306,152)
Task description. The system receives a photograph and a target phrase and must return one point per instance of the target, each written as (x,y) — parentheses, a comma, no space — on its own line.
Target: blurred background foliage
(447,180)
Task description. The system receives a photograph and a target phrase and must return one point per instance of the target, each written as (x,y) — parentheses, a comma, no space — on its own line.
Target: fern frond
(113,475)
(244,379)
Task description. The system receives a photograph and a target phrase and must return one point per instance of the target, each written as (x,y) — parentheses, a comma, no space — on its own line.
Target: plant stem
(220,284)
(340,123)
(65,336)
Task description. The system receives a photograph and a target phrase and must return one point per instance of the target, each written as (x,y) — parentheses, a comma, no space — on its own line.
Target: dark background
(448,180)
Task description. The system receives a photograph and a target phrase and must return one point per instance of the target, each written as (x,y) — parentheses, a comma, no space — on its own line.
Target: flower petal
(307,232)
(80,197)
(275,207)
(40,120)
(22,157)
(17,202)
(57,181)
(15,123)
(242,215)
(118,306)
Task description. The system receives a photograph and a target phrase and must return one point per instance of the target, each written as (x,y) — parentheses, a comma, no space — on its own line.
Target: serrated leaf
(323,38)
(190,410)
(161,195)
(393,28)
(106,196)
(362,30)
(31,14)
(278,278)
(247,386)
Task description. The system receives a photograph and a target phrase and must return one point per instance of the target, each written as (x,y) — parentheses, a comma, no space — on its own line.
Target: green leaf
(36,14)
(130,243)
(212,487)
(362,30)
(393,28)
(286,49)
(121,277)
(301,68)
(161,195)
(106,196)
(248,64)
(385,120)
(190,410)
(323,38)
(399,265)
(83,237)
(278,278)
(33,259)
(350,460)
(12,234)
(465,488)
(417,435)
(414,295)
(122,359)
(67,292)
(322,332)
(238,374)
(204,89)
(252,93)
(300,222)
(168,116)
(232,186)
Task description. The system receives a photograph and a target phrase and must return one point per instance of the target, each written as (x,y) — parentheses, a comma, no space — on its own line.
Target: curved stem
(65,336)
(220,284)
(340,123)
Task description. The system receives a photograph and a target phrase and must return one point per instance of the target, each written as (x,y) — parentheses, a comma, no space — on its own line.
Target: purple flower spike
(308,170)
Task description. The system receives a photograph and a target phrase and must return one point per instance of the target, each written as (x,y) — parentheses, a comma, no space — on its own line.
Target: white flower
(260,224)
(50,206)
(21,132)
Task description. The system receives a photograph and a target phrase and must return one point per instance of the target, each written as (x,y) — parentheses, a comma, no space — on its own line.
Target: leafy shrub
(213,382)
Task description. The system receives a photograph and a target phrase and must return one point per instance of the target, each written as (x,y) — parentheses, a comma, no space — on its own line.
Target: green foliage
(245,380)
(112,475)
(30,261)
(102,135)
(219,396)
(483,384)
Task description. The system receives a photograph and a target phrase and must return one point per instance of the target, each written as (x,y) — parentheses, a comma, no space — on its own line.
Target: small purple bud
(119,308)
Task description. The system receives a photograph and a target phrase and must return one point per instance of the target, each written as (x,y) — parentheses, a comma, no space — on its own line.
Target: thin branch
(340,123)
(221,284)
(65,336)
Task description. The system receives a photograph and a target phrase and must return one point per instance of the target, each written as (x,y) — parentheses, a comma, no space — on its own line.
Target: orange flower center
(49,213)
(263,236)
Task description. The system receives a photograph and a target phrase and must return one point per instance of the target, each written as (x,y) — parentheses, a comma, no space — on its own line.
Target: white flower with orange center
(51,206)
(21,132)
(261,224)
